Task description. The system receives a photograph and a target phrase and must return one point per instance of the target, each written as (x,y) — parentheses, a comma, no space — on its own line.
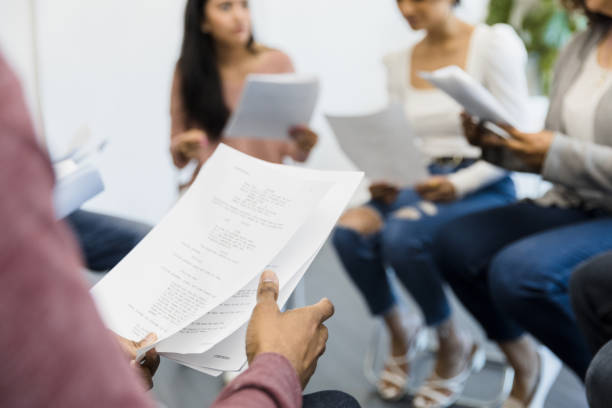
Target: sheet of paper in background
(382,145)
(271,104)
(222,233)
(469,93)
(305,244)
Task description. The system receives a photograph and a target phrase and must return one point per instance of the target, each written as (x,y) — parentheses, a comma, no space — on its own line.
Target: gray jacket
(580,171)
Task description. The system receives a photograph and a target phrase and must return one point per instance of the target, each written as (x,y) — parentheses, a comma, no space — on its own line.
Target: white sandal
(429,395)
(394,374)
(550,366)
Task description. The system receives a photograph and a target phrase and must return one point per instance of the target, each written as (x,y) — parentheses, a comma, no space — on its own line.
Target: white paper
(271,104)
(469,93)
(292,260)
(237,216)
(382,145)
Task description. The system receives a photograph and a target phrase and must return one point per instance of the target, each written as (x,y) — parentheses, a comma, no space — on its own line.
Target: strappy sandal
(392,381)
(430,394)
(550,366)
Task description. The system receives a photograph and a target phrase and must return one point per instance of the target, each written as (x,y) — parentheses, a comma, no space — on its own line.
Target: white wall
(107,64)
(16,36)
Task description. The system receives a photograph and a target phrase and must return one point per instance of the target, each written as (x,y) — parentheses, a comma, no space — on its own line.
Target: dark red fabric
(54,348)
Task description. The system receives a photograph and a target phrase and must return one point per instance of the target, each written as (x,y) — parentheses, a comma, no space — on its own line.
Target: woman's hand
(437,189)
(530,148)
(187,146)
(385,192)
(305,139)
(146,367)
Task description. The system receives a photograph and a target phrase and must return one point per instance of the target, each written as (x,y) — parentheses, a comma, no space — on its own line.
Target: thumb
(147,341)
(268,288)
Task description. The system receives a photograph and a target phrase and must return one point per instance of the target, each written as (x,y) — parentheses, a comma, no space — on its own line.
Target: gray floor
(342,365)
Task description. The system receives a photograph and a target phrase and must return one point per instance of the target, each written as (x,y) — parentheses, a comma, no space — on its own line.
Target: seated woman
(591,296)
(511,265)
(218,53)
(397,227)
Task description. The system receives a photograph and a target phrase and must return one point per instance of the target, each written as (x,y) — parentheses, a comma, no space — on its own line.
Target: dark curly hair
(594,18)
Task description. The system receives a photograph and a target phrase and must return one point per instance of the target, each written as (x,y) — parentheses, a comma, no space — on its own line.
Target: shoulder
(274,60)
(500,41)
(396,59)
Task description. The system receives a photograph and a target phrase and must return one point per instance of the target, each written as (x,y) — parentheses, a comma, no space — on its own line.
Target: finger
(512,131)
(491,140)
(149,339)
(267,292)
(323,337)
(151,361)
(323,310)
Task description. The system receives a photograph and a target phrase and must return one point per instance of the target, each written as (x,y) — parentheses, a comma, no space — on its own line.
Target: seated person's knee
(364,220)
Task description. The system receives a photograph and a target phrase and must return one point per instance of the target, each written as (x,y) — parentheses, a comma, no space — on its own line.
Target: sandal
(393,379)
(430,394)
(550,366)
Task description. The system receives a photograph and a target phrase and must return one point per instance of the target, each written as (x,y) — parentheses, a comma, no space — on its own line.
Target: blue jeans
(510,267)
(105,240)
(406,246)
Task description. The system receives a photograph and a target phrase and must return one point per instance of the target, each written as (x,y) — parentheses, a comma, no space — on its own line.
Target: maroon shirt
(54,348)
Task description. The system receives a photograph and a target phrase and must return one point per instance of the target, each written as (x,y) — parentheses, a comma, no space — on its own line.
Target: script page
(271,104)
(382,145)
(300,250)
(237,216)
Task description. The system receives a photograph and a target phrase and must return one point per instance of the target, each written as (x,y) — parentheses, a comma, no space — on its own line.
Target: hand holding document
(470,94)
(272,104)
(382,145)
(193,279)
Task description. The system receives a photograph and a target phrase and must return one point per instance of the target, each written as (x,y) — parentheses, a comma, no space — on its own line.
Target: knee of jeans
(401,239)
(344,238)
(516,276)
(598,377)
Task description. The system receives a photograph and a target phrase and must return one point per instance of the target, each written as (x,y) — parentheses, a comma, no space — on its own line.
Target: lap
(546,260)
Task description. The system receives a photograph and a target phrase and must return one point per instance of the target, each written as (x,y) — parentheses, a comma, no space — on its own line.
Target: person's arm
(55,350)
(185,143)
(270,381)
(473,178)
(578,164)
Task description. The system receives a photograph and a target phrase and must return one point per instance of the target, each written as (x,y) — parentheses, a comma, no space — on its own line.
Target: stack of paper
(469,93)
(193,279)
(382,145)
(271,104)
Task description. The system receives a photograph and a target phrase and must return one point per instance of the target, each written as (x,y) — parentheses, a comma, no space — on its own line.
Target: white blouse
(496,58)
(581,101)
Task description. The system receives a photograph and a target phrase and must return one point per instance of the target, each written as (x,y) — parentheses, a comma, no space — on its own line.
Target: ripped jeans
(405,244)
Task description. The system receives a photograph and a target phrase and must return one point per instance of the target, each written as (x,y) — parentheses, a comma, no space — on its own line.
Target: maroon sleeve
(54,349)
(270,382)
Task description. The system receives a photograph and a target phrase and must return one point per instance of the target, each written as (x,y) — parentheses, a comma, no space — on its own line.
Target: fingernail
(269,276)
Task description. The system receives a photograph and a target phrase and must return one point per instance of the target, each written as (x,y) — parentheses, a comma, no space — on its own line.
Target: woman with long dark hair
(218,53)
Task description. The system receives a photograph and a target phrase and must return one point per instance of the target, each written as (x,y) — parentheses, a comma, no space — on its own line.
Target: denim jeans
(329,399)
(105,240)
(510,267)
(406,246)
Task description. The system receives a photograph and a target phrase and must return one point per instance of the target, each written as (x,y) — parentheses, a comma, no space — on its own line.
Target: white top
(581,101)
(496,58)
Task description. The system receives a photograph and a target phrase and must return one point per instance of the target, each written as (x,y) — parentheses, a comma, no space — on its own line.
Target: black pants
(591,295)
(329,399)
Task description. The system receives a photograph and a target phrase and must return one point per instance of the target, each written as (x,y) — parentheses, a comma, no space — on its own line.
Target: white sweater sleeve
(475,177)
